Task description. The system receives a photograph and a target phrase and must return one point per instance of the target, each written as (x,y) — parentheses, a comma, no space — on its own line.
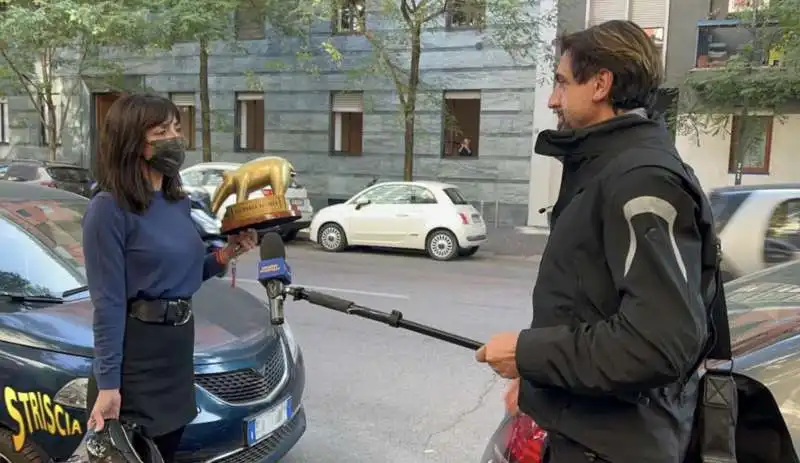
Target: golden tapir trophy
(261,213)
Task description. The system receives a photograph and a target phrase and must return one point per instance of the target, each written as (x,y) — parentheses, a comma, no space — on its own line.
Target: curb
(303,235)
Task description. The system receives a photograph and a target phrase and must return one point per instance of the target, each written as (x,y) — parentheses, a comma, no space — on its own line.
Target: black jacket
(619,318)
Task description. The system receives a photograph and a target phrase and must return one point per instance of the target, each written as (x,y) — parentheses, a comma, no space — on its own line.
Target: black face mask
(168,156)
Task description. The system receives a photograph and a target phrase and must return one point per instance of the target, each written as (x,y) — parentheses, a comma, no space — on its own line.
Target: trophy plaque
(271,174)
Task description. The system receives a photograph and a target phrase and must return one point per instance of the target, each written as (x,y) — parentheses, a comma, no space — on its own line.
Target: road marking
(335,290)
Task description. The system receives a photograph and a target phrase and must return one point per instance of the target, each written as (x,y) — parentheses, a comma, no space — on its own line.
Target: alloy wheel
(331,238)
(442,246)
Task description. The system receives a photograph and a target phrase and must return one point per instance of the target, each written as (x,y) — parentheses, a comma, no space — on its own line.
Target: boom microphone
(274,273)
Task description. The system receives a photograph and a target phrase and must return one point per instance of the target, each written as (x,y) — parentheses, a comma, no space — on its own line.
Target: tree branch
(405,10)
(394,69)
(27,82)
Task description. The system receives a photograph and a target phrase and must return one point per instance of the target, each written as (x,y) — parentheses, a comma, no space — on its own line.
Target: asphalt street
(376,393)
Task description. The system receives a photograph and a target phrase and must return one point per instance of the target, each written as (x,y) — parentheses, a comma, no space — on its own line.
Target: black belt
(161,312)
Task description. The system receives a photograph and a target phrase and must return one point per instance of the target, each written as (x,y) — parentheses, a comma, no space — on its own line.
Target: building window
(5,127)
(250,122)
(465,14)
(347,123)
(751,142)
(462,123)
(657,35)
(185,104)
(49,120)
(350,17)
(249,21)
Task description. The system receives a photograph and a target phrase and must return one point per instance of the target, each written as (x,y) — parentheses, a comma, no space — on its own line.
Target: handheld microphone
(274,274)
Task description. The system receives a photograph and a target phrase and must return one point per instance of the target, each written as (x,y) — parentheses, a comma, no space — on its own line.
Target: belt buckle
(183,312)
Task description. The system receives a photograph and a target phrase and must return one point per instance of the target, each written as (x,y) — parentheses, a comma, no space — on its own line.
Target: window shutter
(463,95)
(649,13)
(249,96)
(183,99)
(606,10)
(348,103)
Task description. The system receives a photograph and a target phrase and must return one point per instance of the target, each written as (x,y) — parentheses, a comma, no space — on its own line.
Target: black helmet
(116,443)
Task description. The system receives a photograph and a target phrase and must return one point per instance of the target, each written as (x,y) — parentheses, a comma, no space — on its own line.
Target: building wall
(708,155)
(680,37)
(298,115)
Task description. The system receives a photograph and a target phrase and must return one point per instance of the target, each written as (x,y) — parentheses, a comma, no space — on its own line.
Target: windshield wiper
(20,297)
(74,291)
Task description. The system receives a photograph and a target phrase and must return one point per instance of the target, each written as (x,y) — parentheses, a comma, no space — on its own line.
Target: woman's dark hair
(123,139)
(625,50)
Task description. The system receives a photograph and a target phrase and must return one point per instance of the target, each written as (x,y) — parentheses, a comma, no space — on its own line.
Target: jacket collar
(588,142)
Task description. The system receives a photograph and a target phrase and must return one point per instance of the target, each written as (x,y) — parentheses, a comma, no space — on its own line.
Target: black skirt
(157,386)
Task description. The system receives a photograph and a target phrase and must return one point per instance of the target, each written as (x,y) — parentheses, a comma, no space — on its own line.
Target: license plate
(298,202)
(476,218)
(265,423)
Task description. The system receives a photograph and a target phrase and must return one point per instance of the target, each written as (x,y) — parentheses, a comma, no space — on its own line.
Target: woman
(144,261)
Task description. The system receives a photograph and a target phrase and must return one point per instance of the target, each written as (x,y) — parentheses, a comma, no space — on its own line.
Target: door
(413,217)
(379,223)
(102,102)
(782,240)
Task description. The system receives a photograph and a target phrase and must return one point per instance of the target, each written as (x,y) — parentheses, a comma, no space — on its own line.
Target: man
(464,148)
(608,366)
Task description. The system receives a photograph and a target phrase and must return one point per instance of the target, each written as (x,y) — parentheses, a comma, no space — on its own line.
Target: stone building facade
(339,132)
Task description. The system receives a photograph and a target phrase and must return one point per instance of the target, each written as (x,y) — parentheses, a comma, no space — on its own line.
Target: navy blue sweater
(156,255)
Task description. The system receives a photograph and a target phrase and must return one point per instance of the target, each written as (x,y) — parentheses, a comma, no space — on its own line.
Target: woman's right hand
(105,407)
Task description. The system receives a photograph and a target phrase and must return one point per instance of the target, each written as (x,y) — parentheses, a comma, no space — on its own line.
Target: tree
(208,21)
(48,46)
(513,25)
(763,75)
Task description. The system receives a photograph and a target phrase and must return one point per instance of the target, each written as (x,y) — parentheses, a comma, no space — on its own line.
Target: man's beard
(561,123)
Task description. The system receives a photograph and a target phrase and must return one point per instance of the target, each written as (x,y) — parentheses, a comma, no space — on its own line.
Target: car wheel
(331,237)
(466,252)
(289,236)
(27,454)
(442,245)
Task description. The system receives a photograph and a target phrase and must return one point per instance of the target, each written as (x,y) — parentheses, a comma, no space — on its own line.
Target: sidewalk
(516,241)
(522,242)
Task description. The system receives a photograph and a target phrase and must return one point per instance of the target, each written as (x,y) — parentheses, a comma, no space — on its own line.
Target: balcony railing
(721,40)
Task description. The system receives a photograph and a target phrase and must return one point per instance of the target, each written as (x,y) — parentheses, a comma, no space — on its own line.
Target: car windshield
(22,171)
(455,195)
(764,300)
(43,251)
(69,174)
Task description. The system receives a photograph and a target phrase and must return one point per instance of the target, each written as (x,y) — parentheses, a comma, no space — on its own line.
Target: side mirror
(361,202)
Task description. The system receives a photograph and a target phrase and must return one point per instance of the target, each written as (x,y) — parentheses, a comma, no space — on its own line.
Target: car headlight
(290,340)
(73,394)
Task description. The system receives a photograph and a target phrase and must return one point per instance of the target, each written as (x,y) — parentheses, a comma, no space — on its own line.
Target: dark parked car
(249,375)
(764,313)
(63,176)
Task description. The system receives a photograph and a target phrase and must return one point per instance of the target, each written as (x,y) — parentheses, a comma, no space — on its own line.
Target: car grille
(247,385)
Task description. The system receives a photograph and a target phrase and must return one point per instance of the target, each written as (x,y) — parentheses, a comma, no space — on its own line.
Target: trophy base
(260,214)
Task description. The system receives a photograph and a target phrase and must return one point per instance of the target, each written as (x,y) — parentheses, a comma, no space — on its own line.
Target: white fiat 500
(430,216)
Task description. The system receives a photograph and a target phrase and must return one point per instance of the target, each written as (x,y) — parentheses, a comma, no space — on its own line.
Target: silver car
(764,316)
(759,226)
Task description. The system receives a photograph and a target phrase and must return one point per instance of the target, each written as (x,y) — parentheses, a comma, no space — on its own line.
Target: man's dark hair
(123,139)
(625,50)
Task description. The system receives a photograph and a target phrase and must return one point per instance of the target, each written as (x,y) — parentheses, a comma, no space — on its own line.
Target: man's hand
(501,354)
(512,397)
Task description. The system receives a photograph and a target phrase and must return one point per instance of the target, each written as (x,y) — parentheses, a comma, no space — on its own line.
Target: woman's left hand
(241,243)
